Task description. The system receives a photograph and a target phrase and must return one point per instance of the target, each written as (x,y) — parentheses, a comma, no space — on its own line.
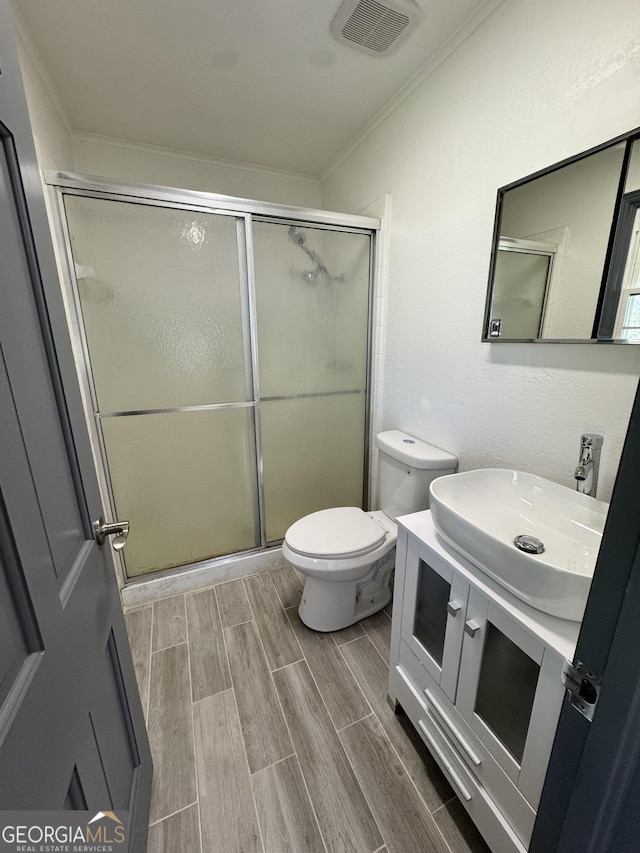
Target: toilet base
(334,605)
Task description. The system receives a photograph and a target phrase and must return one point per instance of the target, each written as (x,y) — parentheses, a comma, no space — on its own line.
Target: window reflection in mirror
(620,316)
(627,324)
(584,216)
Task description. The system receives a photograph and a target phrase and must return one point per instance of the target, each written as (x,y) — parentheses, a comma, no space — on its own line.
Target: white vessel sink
(480,513)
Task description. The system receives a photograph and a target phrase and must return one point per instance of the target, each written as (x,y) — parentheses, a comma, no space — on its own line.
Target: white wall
(48,119)
(130,162)
(536,83)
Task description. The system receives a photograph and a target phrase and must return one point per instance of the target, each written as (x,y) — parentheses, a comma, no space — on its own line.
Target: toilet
(346,554)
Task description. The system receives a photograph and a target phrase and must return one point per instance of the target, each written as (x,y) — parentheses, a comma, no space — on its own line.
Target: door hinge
(583,687)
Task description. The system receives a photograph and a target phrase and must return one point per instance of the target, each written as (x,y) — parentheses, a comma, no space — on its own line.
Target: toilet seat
(335,533)
(346,555)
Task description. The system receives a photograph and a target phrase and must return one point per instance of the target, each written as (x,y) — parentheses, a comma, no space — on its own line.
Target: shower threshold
(207,573)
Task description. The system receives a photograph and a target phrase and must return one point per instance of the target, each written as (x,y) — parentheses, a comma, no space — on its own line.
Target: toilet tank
(407,468)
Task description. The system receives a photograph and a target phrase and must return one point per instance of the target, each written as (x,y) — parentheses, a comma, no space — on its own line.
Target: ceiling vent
(373,27)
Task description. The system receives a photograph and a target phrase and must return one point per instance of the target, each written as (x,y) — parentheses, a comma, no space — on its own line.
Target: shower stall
(223,347)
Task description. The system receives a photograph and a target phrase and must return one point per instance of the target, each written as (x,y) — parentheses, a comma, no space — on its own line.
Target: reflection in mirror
(620,318)
(627,324)
(551,251)
(520,285)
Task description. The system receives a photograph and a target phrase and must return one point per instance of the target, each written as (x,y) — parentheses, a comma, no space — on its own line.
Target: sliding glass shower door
(227,358)
(312,292)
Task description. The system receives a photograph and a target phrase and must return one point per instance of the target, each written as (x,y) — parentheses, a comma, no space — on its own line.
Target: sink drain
(528,544)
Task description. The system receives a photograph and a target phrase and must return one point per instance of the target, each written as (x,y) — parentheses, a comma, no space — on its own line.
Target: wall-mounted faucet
(586,472)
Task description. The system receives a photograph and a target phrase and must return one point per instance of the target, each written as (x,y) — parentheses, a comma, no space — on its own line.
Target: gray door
(72,733)
(592,790)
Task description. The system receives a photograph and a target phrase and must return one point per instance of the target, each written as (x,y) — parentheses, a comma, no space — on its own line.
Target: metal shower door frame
(59,184)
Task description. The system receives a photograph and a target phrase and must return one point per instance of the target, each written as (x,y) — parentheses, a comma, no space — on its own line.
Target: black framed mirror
(565,260)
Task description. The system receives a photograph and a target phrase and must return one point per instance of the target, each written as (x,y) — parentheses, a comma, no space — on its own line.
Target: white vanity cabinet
(478,672)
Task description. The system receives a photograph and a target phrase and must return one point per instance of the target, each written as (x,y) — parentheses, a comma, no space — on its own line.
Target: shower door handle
(119,529)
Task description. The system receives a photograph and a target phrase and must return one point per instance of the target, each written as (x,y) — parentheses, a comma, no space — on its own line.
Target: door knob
(119,529)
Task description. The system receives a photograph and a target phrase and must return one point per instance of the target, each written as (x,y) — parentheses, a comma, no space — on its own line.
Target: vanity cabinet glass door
(435,603)
(509,693)
(478,673)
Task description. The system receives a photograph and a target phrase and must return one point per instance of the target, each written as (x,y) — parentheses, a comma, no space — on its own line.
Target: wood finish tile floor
(270,738)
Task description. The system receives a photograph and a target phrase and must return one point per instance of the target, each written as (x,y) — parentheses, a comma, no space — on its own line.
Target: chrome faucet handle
(586,473)
(591,439)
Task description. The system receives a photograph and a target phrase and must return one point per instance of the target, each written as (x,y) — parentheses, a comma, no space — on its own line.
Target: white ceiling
(256,81)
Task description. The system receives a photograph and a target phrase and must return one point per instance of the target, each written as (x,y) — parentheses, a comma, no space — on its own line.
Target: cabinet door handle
(471,627)
(438,713)
(453,608)
(453,776)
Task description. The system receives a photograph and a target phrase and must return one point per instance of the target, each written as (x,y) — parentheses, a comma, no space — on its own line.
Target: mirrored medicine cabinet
(565,261)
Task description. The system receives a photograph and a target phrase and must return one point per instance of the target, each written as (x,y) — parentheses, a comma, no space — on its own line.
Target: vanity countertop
(560,634)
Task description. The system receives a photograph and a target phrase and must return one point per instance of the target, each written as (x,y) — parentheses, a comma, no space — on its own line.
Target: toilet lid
(340,532)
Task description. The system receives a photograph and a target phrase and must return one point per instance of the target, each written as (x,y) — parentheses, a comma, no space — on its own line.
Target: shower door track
(244,210)
(206,202)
